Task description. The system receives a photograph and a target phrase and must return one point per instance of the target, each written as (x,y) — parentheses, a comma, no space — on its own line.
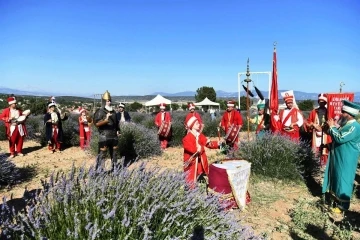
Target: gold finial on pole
(341,85)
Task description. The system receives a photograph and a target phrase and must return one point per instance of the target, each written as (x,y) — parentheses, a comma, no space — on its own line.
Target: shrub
(2,131)
(70,131)
(34,126)
(211,127)
(178,130)
(9,174)
(125,204)
(135,141)
(278,157)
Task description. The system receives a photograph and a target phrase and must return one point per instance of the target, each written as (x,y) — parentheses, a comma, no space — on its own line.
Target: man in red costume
(289,119)
(316,119)
(161,117)
(195,159)
(84,129)
(231,118)
(193,113)
(14,128)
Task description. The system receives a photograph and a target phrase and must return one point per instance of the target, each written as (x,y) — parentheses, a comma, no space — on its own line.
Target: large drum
(229,180)
(232,133)
(164,129)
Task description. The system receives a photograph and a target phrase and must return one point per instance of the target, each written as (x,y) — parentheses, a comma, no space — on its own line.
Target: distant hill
(222,94)
(186,95)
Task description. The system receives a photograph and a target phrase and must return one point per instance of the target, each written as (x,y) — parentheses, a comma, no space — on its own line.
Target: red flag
(274,101)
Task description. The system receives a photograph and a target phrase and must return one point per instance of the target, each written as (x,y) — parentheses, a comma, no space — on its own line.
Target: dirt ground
(266,214)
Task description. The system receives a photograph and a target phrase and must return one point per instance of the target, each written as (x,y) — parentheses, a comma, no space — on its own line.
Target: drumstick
(187,162)
(218,128)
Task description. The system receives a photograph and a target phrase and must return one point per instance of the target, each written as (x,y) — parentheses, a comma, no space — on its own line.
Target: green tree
(175,106)
(133,107)
(204,92)
(243,103)
(306,105)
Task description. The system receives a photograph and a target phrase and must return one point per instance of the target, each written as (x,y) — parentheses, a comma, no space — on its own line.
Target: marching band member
(192,113)
(262,120)
(316,119)
(230,118)
(15,130)
(109,131)
(290,119)
(161,117)
(340,170)
(195,159)
(53,128)
(84,129)
(122,115)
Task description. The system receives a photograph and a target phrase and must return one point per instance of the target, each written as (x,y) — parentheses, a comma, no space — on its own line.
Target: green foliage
(135,142)
(243,103)
(135,106)
(203,92)
(306,105)
(177,128)
(9,173)
(70,131)
(278,157)
(308,217)
(175,106)
(210,127)
(2,131)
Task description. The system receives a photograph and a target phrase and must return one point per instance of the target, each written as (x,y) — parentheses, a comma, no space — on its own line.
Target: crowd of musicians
(336,141)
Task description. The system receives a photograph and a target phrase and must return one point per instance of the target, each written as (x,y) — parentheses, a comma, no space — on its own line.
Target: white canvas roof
(157,100)
(206,102)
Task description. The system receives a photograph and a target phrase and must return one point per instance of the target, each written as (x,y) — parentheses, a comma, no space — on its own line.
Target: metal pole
(239,76)
(248,80)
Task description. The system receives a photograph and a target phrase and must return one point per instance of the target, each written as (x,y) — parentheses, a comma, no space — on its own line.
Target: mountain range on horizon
(299,95)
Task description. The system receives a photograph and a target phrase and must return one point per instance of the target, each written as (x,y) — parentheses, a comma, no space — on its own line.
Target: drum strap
(259,127)
(229,118)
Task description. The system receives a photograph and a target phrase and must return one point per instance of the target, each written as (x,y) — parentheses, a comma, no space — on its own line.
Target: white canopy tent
(157,100)
(207,102)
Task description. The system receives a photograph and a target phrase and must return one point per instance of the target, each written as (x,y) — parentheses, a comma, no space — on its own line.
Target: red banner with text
(334,104)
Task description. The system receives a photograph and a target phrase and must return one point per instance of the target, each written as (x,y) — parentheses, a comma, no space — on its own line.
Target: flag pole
(248,80)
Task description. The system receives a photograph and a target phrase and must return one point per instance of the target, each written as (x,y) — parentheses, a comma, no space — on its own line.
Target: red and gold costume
(84,129)
(161,117)
(192,113)
(15,131)
(195,162)
(318,117)
(229,118)
(290,119)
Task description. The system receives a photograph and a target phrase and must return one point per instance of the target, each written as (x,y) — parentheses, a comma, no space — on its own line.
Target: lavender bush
(9,173)
(278,157)
(2,131)
(125,204)
(135,142)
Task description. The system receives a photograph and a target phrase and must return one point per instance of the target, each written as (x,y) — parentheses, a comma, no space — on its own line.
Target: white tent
(207,102)
(157,100)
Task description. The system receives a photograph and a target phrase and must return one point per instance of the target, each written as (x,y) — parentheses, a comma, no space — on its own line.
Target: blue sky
(137,47)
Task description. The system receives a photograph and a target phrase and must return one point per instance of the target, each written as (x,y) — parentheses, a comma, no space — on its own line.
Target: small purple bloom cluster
(142,203)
